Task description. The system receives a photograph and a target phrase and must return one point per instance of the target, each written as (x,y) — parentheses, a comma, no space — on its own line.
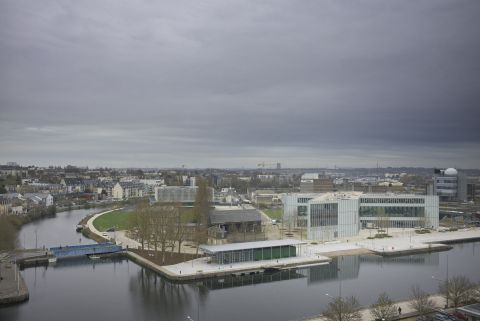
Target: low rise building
(45,199)
(178,194)
(73,184)
(265,198)
(126,190)
(235,223)
(252,251)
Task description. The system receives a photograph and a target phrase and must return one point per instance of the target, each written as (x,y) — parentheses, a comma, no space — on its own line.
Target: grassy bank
(274,213)
(120,220)
(89,234)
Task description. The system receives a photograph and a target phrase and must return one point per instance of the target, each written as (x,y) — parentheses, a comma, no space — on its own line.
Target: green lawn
(118,219)
(121,220)
(274,213)
(187,214)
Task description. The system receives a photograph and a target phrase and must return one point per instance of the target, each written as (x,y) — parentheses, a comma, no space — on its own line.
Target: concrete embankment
(201,269)
(419,250)
(12,286)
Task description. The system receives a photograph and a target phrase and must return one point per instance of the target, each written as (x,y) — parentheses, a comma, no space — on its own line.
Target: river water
(118,289)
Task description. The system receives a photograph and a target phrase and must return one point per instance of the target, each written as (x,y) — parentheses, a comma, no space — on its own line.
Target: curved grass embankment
(120,220)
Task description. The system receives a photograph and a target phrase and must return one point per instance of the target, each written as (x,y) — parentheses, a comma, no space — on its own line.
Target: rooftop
(235,215)
(473,309)
(333,197)
(212,249)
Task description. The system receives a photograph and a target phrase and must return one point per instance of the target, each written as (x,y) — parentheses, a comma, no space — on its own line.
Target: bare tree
(476,293)
(343,309)
(141,224)
(421,301)
(384,308)
(458,289)
(163,221)
(180,230)
(201,210)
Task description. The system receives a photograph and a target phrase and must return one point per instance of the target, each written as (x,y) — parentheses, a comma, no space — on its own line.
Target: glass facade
(392,211)
(323,214)
(266,253)
(302,210)
(303,199)
(386,200)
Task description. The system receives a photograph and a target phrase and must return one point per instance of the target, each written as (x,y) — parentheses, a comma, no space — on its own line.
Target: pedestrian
(399,311)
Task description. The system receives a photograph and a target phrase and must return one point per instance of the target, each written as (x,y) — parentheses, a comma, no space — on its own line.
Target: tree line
(160,226)
(457,291)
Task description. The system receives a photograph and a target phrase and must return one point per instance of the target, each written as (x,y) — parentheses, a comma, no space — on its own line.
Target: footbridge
(80,250)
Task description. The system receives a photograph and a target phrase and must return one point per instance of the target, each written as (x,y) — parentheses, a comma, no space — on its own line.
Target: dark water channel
(118,289)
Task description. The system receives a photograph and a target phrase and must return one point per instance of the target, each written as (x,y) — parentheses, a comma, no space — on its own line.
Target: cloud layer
(234,83)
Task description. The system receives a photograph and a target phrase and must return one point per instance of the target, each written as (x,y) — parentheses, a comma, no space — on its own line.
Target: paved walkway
(405,305)
(402,241)
(12,286)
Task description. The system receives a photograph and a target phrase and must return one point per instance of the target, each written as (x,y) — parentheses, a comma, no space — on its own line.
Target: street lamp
(446,282)
(446,287)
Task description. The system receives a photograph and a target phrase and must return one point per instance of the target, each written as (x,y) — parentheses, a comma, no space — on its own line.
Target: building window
(323,214)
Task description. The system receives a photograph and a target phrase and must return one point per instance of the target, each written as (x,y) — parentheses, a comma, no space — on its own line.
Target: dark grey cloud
(215,83)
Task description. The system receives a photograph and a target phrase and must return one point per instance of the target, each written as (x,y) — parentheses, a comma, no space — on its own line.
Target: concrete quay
(31,257)
(12,286)
(201,268)
(403,242)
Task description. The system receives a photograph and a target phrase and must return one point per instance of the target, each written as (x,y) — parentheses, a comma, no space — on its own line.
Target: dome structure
(451,172)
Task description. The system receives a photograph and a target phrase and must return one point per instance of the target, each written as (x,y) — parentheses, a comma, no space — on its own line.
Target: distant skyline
(230,84)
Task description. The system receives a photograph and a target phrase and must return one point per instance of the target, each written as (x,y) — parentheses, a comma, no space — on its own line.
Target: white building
(295,206)
(333,215)
(400,210)
(150,184)
(328,216)
(126,190)
(178,194)
(45,199)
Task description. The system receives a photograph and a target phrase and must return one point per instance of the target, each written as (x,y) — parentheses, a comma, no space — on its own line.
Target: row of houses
(112,189)
(17,204)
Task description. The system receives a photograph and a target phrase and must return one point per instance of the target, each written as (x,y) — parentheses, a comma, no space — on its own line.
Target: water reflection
(340,268)
(423,259)
(160,297)
(251,279)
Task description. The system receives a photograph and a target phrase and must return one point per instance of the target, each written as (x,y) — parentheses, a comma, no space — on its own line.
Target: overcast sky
(235,83)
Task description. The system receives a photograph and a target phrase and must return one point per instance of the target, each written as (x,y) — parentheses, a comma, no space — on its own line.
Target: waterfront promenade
(407,311)
(12,285)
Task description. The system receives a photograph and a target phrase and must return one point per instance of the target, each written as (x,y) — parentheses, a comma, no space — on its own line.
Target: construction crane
(263,165)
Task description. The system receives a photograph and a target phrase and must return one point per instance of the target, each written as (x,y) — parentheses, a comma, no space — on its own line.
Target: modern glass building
(252,251)
(399,211)
(450,185)
(330,216)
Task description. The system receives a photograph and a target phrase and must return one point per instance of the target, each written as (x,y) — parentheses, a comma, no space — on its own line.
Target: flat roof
(473,309)
(211,249)
(238,216)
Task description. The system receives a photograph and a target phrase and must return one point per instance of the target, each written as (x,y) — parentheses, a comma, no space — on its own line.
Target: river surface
(118,289)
